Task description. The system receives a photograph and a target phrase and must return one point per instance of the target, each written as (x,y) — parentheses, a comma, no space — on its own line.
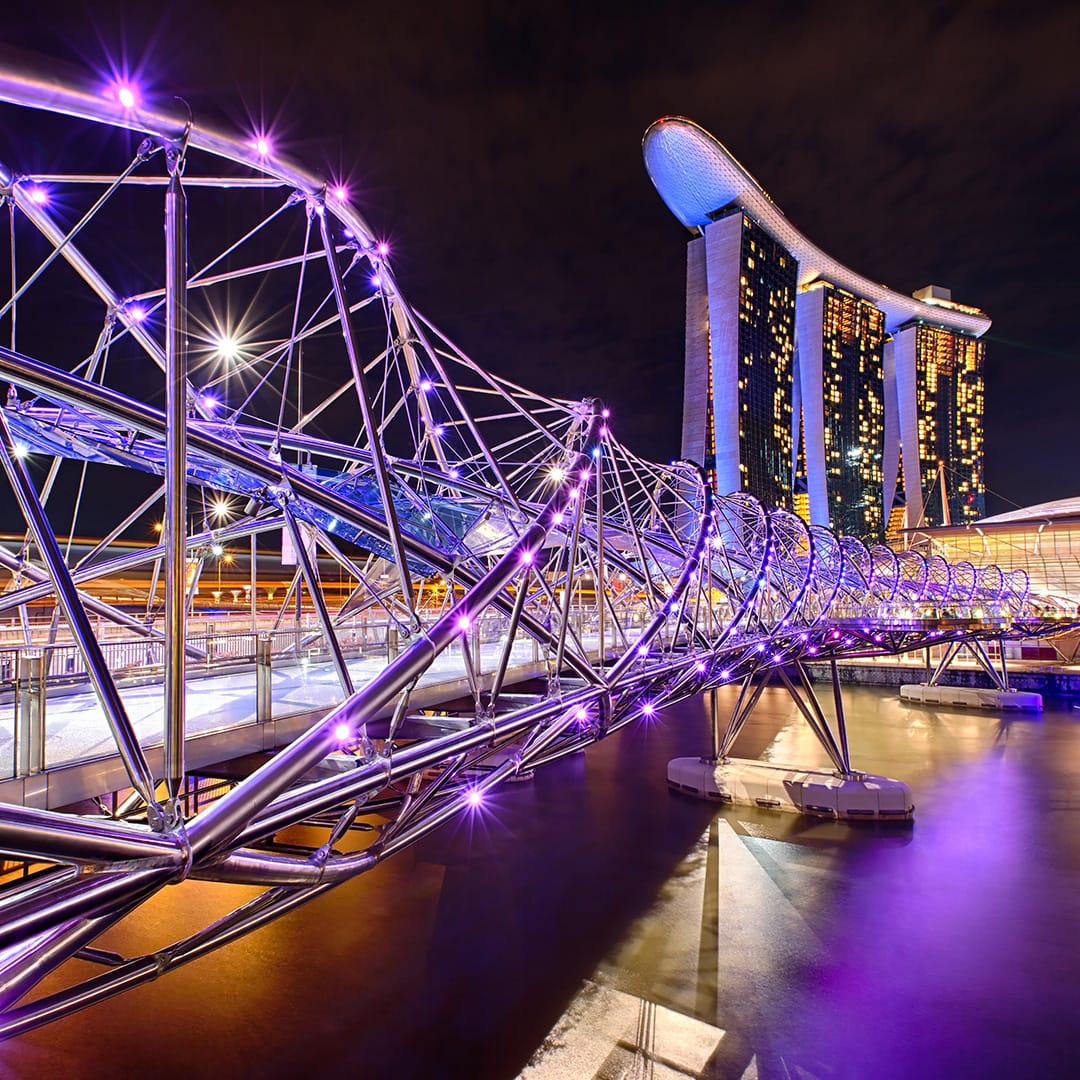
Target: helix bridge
(192,321)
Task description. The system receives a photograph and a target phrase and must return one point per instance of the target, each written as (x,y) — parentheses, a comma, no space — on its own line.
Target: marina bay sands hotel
(808,385)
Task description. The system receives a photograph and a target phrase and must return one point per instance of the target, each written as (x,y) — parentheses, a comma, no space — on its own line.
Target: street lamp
(227,348)
(222,510)
(223,557)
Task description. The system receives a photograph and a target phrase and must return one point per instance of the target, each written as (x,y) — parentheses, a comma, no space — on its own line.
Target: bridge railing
(34,737)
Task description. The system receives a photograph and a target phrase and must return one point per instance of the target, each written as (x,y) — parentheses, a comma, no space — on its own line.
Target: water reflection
(825,950)
(596,925)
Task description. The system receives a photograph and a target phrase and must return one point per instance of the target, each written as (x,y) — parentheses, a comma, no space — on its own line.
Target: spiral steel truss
(316,397)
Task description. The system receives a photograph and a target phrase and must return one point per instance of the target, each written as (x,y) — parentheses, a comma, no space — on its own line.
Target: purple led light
(126,95)
(262,146)
(582,714)
(725,674)
(526,558)
(383,250)
(700,665)
(343,733)
(38,195)
(643,650)
(604,432)
(437,431)
(572,494)
(584,474)
(474,798)
(425,385)
(376,281)
(136,313)
(340,192)
(648,709)
(463,622)
(454,474)
(557,518)
(605,413)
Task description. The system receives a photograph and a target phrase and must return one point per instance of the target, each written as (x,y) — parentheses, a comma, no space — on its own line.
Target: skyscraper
(806,384)
(737,409)
(842,407)
(946,422)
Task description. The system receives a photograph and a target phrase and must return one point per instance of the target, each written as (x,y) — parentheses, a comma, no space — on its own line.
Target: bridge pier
(999,696)
(837,793)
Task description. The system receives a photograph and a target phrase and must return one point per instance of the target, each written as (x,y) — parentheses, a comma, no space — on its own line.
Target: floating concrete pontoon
(971,697)
(801,791)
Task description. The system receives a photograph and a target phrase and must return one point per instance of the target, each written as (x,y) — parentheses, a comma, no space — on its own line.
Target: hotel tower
(806,384)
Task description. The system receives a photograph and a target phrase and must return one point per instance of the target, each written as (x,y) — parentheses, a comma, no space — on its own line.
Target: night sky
(499,149)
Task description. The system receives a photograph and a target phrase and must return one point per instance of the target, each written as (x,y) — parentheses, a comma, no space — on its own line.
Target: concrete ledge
(801,791)
(971,697)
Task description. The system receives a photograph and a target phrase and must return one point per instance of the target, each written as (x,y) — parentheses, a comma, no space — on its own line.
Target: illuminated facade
(739,359)
(879,381)
(945,421)
(842,415)
(1043,541)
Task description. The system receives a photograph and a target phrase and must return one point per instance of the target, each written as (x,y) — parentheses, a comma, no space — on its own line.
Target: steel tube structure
(175,522)
(451,500)
(67,597)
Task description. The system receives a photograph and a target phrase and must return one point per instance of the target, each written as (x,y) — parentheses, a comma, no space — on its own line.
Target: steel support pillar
(1004,667)
(30,715)
(264,692)
(976,649)
(744,706)
(811,712)
(950,654)
(714,721)
(175,526)
(841,723)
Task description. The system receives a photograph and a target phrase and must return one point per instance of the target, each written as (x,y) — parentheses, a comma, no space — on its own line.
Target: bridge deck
(80,756)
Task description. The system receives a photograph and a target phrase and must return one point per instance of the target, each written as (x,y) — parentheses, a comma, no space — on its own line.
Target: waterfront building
(884,390)
(840,352)
(739,357)
(1042,540)
(941,412)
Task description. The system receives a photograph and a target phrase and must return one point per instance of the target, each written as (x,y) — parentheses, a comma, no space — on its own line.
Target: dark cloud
(499,145)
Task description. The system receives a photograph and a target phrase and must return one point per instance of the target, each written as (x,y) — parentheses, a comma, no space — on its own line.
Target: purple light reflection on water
(938,944)
(942,950)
